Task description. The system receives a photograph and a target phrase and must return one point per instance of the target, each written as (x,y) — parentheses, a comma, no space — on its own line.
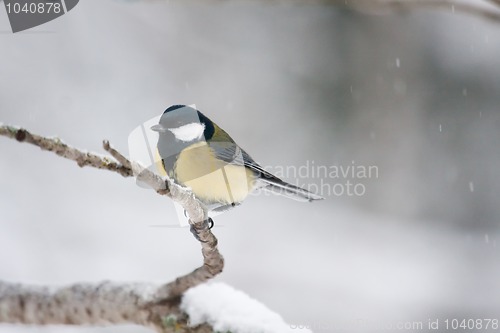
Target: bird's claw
(207,225)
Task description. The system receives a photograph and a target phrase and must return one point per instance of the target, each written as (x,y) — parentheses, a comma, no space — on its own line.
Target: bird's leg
(205,225)
(208,221)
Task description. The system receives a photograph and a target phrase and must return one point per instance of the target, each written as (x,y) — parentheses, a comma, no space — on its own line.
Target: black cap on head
(209,126)
(175,107)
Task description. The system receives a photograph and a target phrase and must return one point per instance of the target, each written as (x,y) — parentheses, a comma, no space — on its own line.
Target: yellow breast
(212,180)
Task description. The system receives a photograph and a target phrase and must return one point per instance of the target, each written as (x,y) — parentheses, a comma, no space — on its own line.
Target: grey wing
(231,153)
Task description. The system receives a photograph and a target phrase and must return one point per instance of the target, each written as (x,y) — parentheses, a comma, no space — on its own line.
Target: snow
(229,310)
(412,248)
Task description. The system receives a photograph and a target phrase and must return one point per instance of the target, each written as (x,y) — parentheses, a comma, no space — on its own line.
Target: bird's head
(185,123)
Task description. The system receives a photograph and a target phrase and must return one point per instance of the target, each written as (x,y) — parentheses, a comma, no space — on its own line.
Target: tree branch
(60,148)
(39,298)
(85,304)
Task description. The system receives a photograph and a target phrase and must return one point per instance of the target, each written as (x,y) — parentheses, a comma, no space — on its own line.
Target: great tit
(196,153)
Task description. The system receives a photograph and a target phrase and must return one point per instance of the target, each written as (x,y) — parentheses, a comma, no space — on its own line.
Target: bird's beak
(159,128)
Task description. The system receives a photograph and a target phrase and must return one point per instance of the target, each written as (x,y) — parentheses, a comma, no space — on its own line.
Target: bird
(196,153)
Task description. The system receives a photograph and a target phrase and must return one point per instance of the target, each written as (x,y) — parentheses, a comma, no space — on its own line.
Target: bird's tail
(276,185)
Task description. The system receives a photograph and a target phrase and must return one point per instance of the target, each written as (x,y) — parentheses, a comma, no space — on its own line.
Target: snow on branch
(109,302)
(229,310)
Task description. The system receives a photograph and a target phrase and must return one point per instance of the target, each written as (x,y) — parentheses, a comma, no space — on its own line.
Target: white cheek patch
(188,132)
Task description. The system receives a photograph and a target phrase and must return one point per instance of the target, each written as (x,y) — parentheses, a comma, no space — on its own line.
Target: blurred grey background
(416,95)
